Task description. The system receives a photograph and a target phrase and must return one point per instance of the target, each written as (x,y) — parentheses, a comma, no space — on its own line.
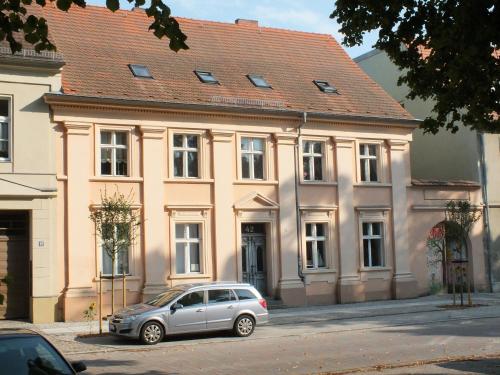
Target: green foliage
(89,315)
(116,223)
(461,74)
(15,18)
(460,216)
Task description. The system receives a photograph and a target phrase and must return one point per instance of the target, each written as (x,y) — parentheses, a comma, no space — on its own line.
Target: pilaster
(224,168)
(404,282)
(154,232)
(79,245)
(349,283)
(292,289)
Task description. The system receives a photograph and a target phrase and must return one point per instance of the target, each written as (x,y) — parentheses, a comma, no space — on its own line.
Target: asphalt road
(319,347)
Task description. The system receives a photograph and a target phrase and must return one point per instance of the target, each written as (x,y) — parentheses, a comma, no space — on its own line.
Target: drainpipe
(297,207)
(486,217)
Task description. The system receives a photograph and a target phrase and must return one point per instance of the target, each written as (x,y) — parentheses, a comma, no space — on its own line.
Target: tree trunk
(112,286)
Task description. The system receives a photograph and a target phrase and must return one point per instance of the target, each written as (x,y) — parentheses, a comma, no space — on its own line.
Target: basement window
(258,81)
(206,77)
(326,87)
(140,71)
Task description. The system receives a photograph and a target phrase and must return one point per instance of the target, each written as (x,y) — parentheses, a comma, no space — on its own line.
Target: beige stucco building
(465,155)
(28,186)
(248,159)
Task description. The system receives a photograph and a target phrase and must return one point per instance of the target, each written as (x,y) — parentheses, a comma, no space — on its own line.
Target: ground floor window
(315,245)
(121,263)
(373,244)
(187,248)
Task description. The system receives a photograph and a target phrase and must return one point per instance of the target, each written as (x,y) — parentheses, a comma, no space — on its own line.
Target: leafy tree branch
(18,17)
(461,74)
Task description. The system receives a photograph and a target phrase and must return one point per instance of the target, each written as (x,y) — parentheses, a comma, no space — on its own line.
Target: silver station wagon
(193,308)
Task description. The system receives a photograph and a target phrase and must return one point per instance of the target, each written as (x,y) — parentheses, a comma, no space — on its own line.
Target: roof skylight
(140,71)
(326,87)
(258,81)
(206,77)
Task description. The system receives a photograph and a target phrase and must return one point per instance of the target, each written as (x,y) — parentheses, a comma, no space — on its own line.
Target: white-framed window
(114,153)
(252,158)
(5,126)
(185,155)
(187,248)
(373,244)
(121,261)
(316,245)
(313,160)
(369,162)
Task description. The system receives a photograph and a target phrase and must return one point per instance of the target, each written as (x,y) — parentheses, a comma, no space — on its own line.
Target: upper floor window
(185,155)
(368,159)
(373,244)
(315,245)
(114,153)
(4,129)
(312,155)
(187,248)
(252,158)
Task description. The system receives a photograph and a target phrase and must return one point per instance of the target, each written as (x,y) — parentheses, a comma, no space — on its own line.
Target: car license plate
(112,328)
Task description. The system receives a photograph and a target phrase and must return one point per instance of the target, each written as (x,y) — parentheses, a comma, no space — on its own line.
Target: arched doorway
(447,258)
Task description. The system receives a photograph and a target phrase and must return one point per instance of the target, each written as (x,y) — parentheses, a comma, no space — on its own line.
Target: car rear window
(244,294)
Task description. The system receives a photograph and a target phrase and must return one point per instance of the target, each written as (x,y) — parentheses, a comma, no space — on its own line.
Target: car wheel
(151,333)
(244,326)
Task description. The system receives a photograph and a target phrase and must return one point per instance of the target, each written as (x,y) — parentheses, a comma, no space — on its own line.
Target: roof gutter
(58,98)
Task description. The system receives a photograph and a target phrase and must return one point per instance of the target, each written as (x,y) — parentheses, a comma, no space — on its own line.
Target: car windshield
(26,355)
(162,299)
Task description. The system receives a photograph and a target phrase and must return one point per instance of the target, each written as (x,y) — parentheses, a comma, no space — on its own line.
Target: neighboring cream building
(259,155)
(465,155)
(28,186)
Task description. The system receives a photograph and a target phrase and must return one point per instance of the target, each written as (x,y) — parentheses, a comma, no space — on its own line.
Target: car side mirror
(78,366)
(176,306)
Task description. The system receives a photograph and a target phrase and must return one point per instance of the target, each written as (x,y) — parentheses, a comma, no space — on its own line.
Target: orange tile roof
(98,45)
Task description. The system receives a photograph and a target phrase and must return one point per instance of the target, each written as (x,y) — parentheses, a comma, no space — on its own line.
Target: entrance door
(14,265)
(253,254)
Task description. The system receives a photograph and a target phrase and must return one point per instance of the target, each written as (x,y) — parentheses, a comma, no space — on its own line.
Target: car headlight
(129,319)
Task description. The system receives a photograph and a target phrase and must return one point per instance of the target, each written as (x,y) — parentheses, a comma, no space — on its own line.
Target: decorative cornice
(152,132)
(373,208)
(191,207)
(285,138)
(343,142)
(221,135)
(77,128)
(396,144)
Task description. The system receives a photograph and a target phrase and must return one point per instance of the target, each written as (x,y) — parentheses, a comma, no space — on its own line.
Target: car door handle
(200,310)
(230,307)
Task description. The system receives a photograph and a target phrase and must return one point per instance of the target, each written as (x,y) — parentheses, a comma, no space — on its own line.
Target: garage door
(15,264)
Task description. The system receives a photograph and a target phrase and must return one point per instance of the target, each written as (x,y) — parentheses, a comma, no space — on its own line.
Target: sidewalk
(297,315)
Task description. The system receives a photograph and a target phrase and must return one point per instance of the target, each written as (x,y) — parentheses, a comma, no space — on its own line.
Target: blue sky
(304,15)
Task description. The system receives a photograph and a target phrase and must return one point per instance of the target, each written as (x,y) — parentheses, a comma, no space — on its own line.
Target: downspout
(486,217)
(297,206)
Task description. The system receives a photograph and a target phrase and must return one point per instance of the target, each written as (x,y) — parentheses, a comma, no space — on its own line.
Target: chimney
(244,22)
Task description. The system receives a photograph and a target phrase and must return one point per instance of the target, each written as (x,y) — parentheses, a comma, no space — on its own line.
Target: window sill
(310,271)
(320,183)
(115,179)
(117,277)
(190,276)
(255,182)
(372,184)
(375,269)
(188,180)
